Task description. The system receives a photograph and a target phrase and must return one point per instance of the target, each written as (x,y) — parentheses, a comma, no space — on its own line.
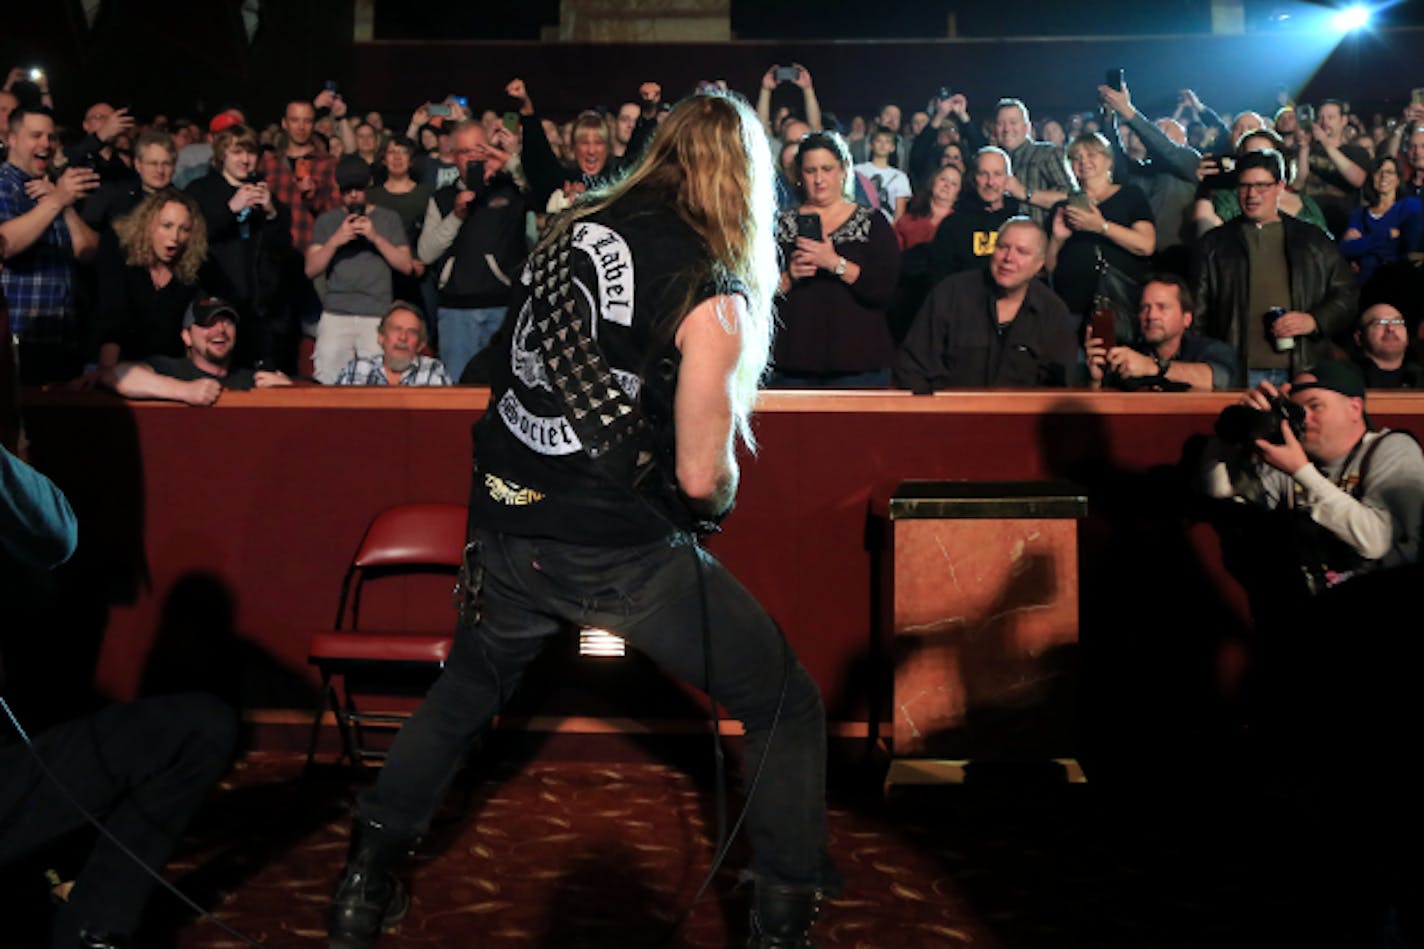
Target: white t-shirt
(892,183)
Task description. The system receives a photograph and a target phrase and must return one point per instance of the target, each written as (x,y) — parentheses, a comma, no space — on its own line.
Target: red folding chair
(403,540)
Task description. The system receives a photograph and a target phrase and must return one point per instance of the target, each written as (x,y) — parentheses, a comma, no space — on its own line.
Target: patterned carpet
(580,853)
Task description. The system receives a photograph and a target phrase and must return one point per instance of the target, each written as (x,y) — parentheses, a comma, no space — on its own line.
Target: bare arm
(82,238)
(711,344)
(135,380)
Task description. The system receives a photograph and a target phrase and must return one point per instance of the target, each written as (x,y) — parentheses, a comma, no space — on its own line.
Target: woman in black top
(148,282)
(1099,218)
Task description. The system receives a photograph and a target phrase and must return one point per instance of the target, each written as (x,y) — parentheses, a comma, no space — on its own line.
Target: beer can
(1283,343)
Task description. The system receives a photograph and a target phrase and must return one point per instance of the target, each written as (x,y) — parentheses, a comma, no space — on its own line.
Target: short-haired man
(473,239)
(1263,261)
(41,237)
(965,239)
(1414,156)
(1166,355)
(300,179)
(1357,494)
(1383,356)
(200,376)
(102,125)
(992,328)
(153,160)
(401,335)
(357,246)
(623,126)
(1157,159)
(1040,176)
(1337,169)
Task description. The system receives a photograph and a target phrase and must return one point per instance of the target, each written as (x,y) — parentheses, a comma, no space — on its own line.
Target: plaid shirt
(282,182)
(1040,166)
(39,283)
(371,371)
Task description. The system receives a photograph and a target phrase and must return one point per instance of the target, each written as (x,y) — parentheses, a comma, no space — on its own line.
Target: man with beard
(42,235)
(992,328)
(1166,355)
(401,335)
(200,376)
(1383,357)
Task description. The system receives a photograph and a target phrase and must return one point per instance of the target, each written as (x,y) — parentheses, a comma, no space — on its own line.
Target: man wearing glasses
(154,161)
(1383,357)
(1273,287)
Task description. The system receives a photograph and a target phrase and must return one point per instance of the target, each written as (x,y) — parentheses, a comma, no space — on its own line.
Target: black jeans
(145,767)
(652,596)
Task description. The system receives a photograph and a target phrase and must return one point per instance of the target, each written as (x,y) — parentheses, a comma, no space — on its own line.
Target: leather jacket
(1320,284)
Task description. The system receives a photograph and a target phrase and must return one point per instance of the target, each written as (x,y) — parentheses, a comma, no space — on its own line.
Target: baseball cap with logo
(205,311)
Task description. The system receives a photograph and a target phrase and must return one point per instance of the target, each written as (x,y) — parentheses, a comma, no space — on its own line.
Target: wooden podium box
(985,623)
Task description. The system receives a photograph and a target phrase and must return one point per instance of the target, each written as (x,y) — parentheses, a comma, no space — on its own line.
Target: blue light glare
(1350,19)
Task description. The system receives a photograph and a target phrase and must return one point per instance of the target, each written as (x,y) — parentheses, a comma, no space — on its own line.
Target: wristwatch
(1028,194)
(840,267)
(1162,364)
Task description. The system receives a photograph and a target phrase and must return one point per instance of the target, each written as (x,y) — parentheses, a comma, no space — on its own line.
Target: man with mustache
(401,335)
(199,377)
(43,235)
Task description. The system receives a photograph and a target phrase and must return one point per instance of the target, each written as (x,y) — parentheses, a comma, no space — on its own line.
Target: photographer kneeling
(1353,495)
(1333,709)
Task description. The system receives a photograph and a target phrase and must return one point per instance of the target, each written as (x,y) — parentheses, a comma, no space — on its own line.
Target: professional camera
(1242,425)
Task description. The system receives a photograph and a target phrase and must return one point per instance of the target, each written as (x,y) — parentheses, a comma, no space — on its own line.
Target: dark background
(180,57)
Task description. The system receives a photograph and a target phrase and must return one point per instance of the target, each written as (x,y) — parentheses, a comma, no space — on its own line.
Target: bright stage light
(1350,19)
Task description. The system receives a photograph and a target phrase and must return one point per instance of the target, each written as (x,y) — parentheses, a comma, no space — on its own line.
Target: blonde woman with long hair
(630,366)
(148,279)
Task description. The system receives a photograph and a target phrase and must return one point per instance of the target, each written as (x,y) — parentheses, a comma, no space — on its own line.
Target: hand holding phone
(1104,322)
(787,74)
(438,109)
(809,226)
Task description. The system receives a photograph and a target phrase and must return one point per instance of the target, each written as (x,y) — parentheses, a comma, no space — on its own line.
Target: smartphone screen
(1078,199)
(1105,325)
(1416,96)
(511,122)
(808,225)
(787,74)
(438,109)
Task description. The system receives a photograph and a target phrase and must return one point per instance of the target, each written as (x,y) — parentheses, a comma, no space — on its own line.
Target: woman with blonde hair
(148,278)
(1102,237)
(627,376)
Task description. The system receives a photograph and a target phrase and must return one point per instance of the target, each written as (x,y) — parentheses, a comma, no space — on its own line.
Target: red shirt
(282,182)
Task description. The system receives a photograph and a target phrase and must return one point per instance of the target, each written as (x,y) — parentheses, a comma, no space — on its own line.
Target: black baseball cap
(205,311)
(352,172)
(1334,375)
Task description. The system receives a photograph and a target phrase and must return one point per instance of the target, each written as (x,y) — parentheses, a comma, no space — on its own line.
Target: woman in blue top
(1386,228)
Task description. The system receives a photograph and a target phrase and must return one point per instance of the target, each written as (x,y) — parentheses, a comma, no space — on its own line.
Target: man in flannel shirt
(299,178)
(401,334)
(41,236)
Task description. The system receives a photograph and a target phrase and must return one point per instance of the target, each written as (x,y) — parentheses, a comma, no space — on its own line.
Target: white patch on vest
(547,436)
(613,263)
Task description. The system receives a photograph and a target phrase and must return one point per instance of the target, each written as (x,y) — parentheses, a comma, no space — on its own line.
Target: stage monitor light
(1350,19)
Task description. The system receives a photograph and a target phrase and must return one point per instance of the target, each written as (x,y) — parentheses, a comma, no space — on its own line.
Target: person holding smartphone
(1100,221)
(842,263)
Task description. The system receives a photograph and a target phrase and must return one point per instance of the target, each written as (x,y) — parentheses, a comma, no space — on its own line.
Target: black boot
(782,915)
(370,897)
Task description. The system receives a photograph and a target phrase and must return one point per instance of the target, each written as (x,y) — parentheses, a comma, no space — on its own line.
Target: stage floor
(537,851)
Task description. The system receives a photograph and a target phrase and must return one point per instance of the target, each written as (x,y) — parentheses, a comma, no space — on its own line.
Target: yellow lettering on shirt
(984,242)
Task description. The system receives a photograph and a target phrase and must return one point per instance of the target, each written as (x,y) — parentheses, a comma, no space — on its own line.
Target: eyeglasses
(1256,187)
(1390,321)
